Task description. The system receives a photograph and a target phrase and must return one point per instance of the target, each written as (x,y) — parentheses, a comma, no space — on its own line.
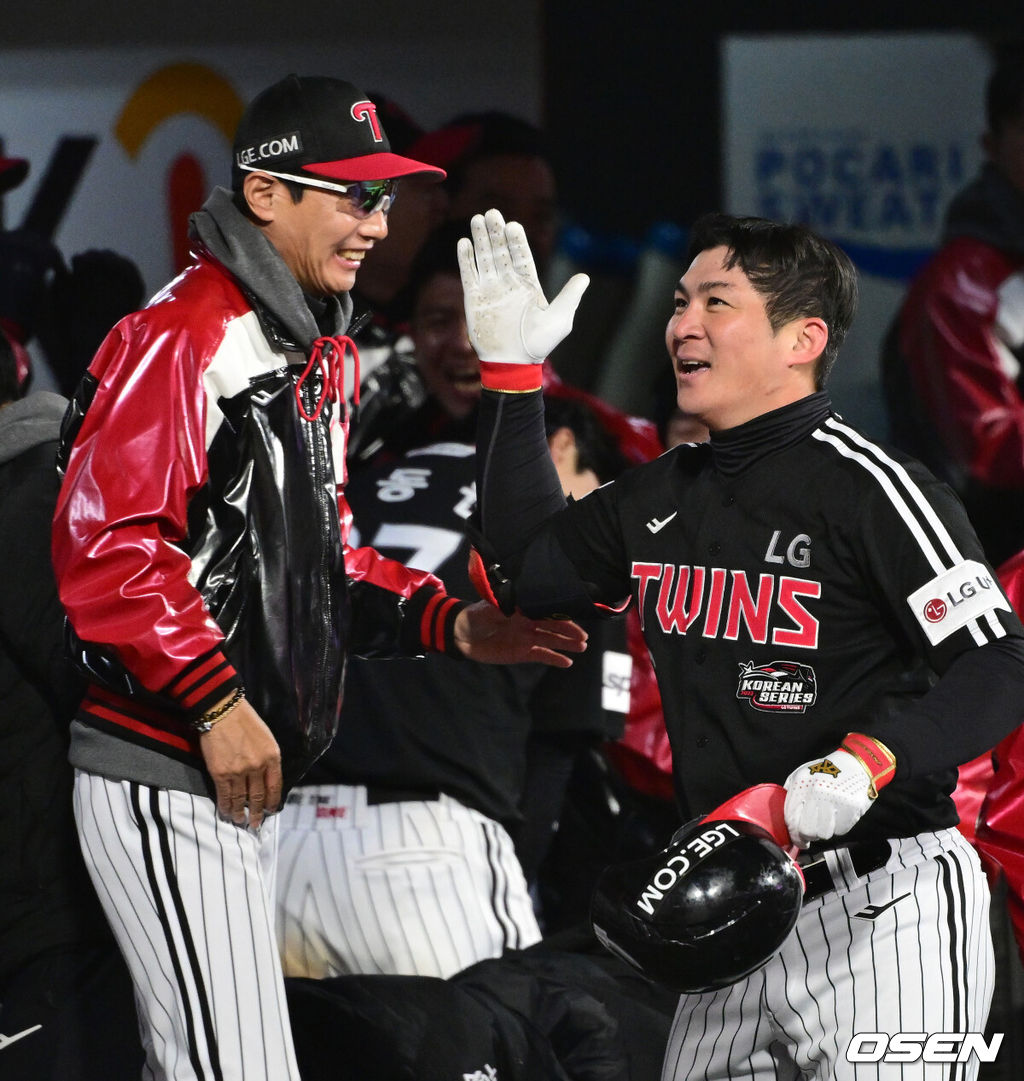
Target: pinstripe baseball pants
(906,948)
(188,897)
(417,887)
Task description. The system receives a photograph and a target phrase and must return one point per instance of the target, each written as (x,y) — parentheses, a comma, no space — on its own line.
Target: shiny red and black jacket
(200,537)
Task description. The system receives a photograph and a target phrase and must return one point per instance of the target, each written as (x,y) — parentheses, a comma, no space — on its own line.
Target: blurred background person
(402,851)
(65,996)
(952,361)
(497,159)
(65,308)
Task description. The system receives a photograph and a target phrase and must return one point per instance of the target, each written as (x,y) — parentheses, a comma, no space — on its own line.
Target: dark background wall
(628,90)
(259,22)
(631,91)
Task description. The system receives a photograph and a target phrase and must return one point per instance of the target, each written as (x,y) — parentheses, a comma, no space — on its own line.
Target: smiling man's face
(444,354)
(323,244)
(730,365)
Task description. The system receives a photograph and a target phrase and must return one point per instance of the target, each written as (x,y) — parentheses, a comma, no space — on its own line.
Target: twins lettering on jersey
(763,608)
(718,603)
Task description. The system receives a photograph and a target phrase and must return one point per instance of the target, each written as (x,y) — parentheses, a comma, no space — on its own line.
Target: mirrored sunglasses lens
(373,195)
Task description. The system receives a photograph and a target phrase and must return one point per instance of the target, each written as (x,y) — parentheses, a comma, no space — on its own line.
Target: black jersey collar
(734,449)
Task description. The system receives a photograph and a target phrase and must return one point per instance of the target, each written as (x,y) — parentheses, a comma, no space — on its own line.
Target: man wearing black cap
(200,545)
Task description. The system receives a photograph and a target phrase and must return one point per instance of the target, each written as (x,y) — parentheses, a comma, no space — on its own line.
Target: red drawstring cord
(332,368)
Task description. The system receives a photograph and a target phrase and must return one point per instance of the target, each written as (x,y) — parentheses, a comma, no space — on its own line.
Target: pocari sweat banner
(866,139)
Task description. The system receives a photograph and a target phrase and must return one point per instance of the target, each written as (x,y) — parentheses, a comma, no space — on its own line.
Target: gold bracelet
(212,716)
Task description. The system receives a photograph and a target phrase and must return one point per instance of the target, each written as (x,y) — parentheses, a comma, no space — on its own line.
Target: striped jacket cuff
(202,683)
(430,616)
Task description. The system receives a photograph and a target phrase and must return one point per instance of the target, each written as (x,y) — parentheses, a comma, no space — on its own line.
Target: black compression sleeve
(517,486)
(978,701)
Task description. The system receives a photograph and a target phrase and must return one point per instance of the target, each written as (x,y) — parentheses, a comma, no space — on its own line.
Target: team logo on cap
(366,110)
(778,687)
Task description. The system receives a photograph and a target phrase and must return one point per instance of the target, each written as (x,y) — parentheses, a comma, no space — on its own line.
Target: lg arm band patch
(956,598)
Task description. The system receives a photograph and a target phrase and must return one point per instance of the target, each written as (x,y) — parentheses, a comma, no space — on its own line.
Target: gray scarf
(240,246)
(28,422)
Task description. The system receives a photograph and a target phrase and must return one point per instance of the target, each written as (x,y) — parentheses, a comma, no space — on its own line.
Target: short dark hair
(596,447)
(295,190)
(10,388)
(1004,91)
(798,272)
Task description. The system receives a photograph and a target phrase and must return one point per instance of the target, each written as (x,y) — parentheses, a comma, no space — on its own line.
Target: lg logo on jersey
(955,599)
(922,1047)
(798,551)
(935,610)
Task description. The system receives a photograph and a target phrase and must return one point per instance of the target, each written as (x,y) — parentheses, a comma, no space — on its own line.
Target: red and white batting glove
(827,797)
(509,320)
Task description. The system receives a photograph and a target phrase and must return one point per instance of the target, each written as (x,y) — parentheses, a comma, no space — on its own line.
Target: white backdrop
(175,102)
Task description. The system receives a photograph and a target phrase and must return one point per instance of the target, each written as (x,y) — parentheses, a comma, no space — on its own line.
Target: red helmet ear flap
(762,805)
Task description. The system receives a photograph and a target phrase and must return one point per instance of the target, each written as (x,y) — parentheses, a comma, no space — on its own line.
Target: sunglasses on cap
(366,196)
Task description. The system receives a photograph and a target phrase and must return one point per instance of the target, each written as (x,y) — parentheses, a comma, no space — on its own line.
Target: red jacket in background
(990,792)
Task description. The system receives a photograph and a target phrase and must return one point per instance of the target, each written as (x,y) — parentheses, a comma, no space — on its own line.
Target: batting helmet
(711,908)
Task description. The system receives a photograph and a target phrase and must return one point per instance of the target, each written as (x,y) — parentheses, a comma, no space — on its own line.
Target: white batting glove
(827,797)
(508,317)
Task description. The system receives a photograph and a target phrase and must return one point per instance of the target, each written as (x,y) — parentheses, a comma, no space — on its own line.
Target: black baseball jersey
(795,581)
(441,723)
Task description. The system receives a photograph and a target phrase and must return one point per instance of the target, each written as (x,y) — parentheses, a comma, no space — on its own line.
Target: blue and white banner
(865,138)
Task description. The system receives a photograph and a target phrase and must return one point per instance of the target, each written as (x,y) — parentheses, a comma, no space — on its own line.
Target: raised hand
(509,319)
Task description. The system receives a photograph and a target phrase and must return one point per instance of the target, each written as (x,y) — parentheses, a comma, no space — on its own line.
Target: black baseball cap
(318,126)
